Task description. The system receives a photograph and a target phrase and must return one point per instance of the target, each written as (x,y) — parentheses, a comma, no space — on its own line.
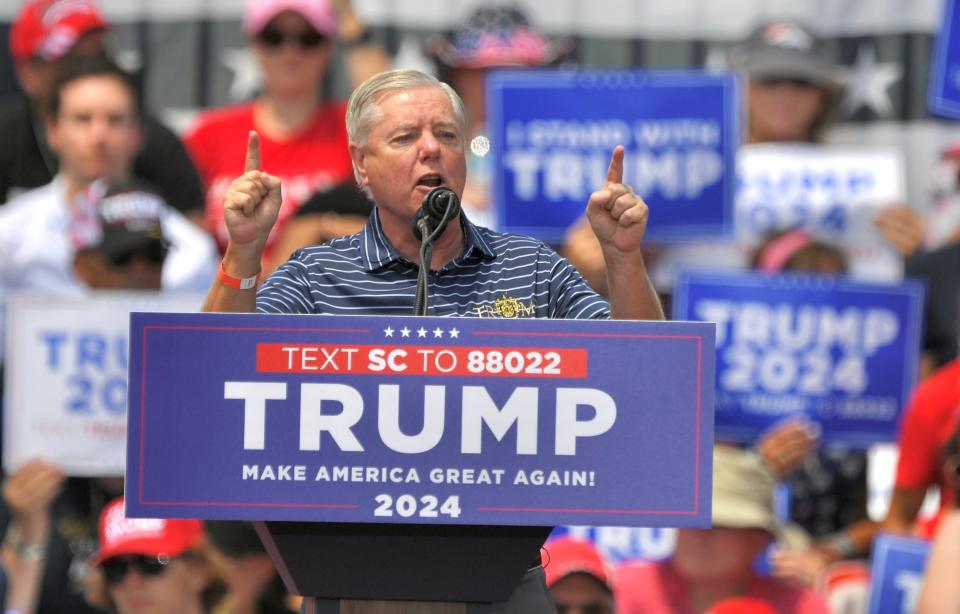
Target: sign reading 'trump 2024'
(842,353)
(429,420)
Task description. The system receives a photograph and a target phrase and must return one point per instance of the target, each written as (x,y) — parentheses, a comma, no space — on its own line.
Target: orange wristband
(236,283)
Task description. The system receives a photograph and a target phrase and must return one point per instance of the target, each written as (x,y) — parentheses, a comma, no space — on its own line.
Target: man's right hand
(252,202)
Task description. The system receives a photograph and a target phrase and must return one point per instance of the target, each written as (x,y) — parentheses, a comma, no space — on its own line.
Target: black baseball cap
(783,50)
(130,223)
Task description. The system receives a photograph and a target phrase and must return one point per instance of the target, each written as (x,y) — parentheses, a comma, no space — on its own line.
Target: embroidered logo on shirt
(505,307)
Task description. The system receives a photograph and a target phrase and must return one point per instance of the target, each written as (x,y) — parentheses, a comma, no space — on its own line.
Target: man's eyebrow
(403,127)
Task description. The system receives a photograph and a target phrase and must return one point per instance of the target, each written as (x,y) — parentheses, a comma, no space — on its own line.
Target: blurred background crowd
(122,123)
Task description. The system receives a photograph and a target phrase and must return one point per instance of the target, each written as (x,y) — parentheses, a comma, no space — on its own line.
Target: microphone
(438,207)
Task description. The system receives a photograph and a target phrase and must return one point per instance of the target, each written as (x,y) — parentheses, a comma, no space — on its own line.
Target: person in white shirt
(93,126)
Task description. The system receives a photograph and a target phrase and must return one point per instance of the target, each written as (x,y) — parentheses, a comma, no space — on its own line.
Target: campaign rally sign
(66,378)
(552,134)
(621,544)
(943,96)
(833,193)
(896,573)
(420,420)
(842,353)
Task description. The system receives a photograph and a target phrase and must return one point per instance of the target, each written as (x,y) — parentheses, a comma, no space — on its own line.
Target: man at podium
(407,137)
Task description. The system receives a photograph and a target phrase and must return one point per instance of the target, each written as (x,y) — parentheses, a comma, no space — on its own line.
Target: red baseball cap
(49,29)
(566,555)
(742,605)
(120,535)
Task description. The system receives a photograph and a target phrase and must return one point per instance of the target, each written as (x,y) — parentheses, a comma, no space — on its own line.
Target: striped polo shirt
(497,275)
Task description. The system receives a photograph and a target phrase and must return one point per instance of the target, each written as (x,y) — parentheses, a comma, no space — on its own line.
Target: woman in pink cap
(303,137)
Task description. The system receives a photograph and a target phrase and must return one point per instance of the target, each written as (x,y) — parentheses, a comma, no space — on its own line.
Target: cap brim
(736,514)
(784,64)
(135,548)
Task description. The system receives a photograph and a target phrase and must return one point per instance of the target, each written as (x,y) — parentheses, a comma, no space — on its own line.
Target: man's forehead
(411,100)
(91,91)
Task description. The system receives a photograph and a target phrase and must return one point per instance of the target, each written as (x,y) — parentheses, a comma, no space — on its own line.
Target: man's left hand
(617,215)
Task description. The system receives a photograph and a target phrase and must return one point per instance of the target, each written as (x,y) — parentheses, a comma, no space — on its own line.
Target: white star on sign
(388,331)
(867,82)
(404,332)
(246,74)
(421,332)
(438,332)
(454,333)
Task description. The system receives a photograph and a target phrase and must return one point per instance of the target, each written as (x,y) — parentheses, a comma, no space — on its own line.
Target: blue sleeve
(287,290)
(570,295)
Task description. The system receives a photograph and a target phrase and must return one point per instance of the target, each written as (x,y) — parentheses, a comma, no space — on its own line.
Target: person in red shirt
(710,566)
(927,426)
(302,136)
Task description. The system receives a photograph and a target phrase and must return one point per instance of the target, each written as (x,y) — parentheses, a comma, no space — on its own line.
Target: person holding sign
(407,133)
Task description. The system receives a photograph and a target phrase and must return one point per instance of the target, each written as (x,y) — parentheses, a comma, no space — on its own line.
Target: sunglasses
(307,39)
(115,569)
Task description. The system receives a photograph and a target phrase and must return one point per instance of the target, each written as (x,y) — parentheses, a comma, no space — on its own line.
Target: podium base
(460,564)
(312,605)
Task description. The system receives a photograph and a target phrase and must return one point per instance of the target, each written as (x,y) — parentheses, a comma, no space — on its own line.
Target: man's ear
(29,78)
(359,163)
(136,139)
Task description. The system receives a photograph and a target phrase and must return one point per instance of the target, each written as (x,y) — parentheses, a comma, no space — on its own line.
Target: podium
(417,459)
(453,564)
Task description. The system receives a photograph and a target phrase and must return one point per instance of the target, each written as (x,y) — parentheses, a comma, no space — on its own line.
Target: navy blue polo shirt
(497,275)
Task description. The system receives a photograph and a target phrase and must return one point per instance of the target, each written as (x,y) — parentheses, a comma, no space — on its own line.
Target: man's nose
(99,128)
(429,147)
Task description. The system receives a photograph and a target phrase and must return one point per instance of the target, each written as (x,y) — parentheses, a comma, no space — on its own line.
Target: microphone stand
(427,237)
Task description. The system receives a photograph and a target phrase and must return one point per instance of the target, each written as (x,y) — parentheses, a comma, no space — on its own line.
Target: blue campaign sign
(421,420)
(896,573)
(843,354)
(943,96)
(552,134)
(621,544)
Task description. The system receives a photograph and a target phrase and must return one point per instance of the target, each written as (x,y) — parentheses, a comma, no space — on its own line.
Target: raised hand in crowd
(786,444)
(28,493)
(901,227)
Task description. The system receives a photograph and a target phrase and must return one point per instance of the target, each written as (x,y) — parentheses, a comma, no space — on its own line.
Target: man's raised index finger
(253,153)
(615,172)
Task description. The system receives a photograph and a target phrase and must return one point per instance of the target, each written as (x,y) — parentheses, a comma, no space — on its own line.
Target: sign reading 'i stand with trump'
(420,420)
(552,133)
(842,353)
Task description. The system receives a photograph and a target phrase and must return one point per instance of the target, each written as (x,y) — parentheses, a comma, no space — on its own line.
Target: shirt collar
(376,251)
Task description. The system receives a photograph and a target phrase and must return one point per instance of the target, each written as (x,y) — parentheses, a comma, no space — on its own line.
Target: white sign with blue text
(66,378)
(896,573)
(833,193)
(842,353)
